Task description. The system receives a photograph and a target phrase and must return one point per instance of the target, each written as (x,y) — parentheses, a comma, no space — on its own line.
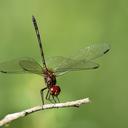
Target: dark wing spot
(96,67)
(3,71)
(106,51)
(25,69)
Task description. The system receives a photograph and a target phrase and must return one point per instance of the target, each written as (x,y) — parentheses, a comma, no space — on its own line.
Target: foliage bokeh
(65,27)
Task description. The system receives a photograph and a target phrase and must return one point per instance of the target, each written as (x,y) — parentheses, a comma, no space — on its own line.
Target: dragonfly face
(55,90)
(83,60)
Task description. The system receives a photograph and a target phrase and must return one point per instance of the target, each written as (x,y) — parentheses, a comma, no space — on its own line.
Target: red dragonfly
(83,60)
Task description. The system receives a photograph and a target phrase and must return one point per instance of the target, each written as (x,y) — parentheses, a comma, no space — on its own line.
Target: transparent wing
(62,65)
(92,52)
(76,66)
(23,65)
(81,61)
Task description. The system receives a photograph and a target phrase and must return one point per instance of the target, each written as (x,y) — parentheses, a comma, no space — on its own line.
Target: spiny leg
(47,95)
(57,99)
(42,94)
(54,99)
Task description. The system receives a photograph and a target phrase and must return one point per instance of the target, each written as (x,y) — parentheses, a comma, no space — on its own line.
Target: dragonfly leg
(42,94)
(54,99)
(47,95)
(57,99)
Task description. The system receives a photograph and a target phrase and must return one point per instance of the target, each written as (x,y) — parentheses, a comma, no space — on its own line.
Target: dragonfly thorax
(50,78)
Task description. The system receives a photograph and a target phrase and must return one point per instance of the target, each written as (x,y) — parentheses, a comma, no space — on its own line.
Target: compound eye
(55,90)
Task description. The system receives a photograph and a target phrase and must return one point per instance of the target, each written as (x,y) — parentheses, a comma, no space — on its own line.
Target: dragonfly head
(55,90)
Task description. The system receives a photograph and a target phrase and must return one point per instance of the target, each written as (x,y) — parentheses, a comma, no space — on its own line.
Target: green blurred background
(66,26)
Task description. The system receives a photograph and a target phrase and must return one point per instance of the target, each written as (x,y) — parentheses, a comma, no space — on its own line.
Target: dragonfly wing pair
(81,61)
(60,65)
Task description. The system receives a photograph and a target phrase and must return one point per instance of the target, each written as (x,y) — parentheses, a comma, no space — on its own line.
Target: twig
(10,117)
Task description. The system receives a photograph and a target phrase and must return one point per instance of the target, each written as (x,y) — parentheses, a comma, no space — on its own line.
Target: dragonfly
(83,60)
